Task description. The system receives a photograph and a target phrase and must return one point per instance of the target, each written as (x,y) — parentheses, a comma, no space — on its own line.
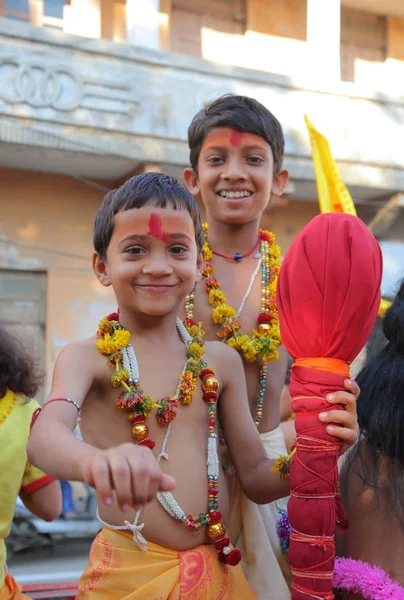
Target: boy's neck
(230,238)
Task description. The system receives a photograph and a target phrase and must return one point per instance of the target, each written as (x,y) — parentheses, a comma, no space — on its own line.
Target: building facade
(94,91)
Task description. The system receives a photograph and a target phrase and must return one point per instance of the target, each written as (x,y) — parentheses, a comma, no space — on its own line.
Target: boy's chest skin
(234,279)
(105,425)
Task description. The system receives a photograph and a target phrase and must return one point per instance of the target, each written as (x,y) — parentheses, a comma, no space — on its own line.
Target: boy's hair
(241,113)
(18,369)
(378,457)
(149,189)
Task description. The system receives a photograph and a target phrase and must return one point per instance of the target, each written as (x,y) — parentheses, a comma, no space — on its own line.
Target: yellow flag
(333,196)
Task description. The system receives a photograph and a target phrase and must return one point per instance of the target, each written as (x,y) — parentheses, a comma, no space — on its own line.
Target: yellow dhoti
(119,570)
(11,590)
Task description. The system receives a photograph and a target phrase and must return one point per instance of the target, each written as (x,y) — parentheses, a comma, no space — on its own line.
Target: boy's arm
(52,445)
(45,503)
(130,470)
(247,451)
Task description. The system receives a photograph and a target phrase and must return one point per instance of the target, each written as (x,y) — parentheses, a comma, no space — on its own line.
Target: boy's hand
(131,471)
(344,422)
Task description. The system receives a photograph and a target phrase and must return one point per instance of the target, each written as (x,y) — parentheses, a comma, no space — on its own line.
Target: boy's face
(152,260)
(235,176)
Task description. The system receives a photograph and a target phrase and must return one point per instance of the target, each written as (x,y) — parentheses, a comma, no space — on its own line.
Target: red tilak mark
(235,137)
(156,228)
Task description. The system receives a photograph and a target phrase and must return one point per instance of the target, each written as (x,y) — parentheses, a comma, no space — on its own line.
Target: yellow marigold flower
(195,331)
(119,376)
(106,345)
(384,307)
(104,326)
(216,297)
(236,341)
(205,226)
(147,406)
(222,312)
(207,252)
(208,270)
(122,338)
(195,350)
(249,351)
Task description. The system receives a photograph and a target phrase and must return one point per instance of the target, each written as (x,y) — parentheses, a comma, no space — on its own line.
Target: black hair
(378,457)
(18,368)
(149,189)
(241,113)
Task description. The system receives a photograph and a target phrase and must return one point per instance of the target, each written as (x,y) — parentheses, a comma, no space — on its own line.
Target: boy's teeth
(241,194)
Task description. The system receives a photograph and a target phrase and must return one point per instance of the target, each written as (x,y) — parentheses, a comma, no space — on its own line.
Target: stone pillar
(323,38)
(143,23)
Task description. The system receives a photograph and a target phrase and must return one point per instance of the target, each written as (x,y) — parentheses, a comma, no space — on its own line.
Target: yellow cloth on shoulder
(16,474)
(119,570)
(11,590)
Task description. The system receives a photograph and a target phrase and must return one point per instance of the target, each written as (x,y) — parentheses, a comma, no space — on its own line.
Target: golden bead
(140,432)
(263,328)
(210,384)
(216,531)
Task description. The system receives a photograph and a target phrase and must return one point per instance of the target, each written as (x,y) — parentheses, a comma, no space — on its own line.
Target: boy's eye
(215,159)
(136,250)
(255,159)
(178,250)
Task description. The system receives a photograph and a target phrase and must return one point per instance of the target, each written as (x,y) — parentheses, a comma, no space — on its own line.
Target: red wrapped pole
(328,298)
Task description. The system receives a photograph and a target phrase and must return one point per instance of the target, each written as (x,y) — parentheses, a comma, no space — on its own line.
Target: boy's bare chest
(109,425)
(241,283)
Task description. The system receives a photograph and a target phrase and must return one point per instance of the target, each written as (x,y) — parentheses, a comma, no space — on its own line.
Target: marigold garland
(262,345)
(112,339)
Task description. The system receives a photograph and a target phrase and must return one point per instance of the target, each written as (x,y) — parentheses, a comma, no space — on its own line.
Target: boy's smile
(235,175)
(151,259)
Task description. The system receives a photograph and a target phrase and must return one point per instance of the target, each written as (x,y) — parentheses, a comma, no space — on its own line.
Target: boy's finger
(145,476)
(100,476)
(353,387)
(120,474)
(348,436)
(340,417)
(167,483)
(346,400)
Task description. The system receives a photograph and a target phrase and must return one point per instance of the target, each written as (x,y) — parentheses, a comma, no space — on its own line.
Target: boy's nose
(157,268)
(234,171)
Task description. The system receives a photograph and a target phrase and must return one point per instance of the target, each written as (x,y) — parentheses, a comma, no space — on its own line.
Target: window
(363,45)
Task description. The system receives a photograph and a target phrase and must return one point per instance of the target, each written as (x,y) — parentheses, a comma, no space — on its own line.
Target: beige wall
(288,218)
(46,225)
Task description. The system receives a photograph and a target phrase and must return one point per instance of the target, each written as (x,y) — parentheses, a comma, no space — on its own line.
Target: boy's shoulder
(80,351)
(221,353)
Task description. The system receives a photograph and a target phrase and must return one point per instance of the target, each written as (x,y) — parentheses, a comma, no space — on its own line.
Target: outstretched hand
(343,423)
(131,471)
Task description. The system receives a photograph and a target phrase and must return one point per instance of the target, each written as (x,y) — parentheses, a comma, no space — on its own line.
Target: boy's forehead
(154,221)
(227,136)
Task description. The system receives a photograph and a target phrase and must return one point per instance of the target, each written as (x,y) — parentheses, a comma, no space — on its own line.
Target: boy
(236,151)
(147,240)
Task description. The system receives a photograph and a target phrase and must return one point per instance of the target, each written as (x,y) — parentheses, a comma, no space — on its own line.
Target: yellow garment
(252,528)
(15,472)
(119,570)
(11,590)
(333,196)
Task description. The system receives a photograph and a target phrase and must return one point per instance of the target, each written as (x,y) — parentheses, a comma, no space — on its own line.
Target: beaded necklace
(262,346)
(134,400)
(113,341)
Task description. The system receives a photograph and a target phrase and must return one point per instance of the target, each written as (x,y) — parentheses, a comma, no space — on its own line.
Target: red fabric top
(329,288)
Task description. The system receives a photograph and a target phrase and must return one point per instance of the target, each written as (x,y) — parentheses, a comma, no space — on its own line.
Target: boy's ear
(100,269)
(199,267)
(280,182)
(191,181)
